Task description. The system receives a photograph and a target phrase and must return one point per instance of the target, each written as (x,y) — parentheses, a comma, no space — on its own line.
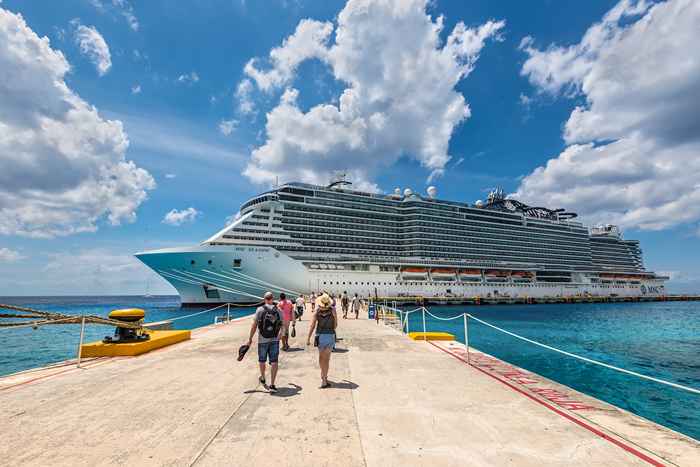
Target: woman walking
(324,322)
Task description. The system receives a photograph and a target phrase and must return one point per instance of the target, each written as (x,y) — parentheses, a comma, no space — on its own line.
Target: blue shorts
(326,341)
(269,350)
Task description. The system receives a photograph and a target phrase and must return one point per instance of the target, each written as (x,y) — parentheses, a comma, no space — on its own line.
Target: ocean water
(659,339)
(25,348)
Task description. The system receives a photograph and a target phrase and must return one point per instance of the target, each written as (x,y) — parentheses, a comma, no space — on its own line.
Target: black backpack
(270,322)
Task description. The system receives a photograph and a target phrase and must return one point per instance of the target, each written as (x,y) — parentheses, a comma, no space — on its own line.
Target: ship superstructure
(300,238)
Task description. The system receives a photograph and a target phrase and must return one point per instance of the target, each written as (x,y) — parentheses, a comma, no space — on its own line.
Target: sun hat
(324,300)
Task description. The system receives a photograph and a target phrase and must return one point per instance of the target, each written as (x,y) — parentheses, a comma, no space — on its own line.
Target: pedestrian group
(274,322)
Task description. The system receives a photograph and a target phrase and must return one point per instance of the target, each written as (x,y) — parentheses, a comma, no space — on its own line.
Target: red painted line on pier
(569,417)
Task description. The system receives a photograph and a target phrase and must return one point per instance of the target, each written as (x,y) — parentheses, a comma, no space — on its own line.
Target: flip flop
(242,351)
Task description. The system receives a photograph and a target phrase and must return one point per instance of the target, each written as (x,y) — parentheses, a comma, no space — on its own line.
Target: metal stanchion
(425,337)
(80,345)
(228,312)
(466,335)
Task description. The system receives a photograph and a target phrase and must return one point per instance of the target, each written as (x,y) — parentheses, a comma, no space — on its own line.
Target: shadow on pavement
(345,384)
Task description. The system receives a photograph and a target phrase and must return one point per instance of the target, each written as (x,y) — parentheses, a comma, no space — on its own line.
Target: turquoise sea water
(660,339)
(25,348)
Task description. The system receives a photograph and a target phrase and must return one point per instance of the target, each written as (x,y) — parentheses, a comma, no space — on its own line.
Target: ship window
(209,262)
(236,263)
(192,262)
(211,292)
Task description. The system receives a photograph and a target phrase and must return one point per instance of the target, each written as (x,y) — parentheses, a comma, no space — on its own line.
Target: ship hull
(212,274)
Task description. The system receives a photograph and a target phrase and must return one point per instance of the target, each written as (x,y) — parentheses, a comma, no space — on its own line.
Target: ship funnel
(432,191)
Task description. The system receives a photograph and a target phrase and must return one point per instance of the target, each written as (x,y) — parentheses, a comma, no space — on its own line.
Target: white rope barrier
(198,313)
(445,319)
(563,352)
(579,357)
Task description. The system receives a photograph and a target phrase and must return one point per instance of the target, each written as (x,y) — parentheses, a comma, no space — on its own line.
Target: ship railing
(399,320)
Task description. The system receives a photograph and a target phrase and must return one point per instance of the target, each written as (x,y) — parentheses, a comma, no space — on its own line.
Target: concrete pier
(394,402)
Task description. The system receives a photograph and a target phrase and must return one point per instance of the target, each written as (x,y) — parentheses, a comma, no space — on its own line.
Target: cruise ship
(300,238)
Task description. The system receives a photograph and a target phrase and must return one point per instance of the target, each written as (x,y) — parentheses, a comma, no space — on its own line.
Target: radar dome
(397,191)
(432,191)
(407,192)
(479,203)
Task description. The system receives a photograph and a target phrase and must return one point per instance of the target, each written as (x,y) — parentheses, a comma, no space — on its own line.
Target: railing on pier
(46,318)
(398,319)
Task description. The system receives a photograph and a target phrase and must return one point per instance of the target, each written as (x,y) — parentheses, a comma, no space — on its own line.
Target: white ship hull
(212,274)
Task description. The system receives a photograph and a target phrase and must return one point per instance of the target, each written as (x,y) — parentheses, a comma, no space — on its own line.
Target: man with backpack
(268,325)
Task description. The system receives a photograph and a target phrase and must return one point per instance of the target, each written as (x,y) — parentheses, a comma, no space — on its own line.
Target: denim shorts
(326,341)
(268,349)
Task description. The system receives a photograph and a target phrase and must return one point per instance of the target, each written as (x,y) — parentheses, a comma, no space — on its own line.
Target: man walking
(286,308)
(355,305)
(344,302)
(268,324)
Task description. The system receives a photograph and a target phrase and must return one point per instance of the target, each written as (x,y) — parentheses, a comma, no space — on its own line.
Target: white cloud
(308,41)
(399,98)
(226,127)
(136,89)
(9,256)
(175,217)
(633,147)
(127,11)
(188,78)
(63,166)
(170,176)
(93,45)
(245,102)
(121,7)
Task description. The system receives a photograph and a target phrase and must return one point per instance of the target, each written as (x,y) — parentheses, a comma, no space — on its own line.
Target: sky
(127,126)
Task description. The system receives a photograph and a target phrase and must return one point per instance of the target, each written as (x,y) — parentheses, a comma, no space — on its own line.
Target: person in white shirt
(355,305)
(300,303)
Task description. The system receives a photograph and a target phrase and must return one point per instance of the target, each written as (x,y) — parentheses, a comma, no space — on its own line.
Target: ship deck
(394,402)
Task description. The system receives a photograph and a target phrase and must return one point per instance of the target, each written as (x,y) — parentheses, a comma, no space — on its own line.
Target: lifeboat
(522,276)
(470,275)
(496,275)
(443,274)
(414,274)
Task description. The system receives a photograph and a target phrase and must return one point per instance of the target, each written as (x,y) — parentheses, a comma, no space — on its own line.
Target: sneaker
(273,388)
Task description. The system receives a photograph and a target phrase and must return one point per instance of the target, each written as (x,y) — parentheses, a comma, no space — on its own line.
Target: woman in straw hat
(324,322)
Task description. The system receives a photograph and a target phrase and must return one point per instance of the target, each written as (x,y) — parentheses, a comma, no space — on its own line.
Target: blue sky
(172,70)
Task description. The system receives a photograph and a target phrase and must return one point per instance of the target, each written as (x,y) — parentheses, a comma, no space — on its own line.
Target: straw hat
(324,300)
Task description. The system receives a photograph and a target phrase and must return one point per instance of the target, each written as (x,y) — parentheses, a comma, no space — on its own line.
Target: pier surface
(394,402)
